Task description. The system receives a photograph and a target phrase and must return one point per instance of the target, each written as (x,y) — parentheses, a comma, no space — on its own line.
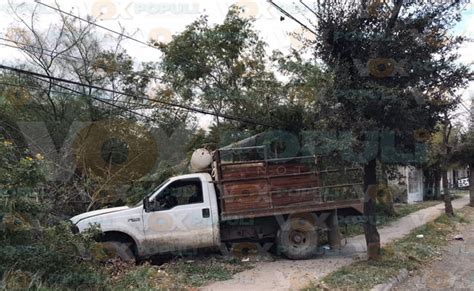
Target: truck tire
(118,250)
(297,238)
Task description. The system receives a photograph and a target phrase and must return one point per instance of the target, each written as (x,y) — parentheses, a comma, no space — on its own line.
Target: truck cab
(178,215)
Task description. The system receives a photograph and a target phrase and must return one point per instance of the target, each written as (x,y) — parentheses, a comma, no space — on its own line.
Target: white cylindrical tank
(201,160)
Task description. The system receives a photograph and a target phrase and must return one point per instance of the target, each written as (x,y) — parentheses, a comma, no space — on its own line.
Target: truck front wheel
(118,250)
(298,238)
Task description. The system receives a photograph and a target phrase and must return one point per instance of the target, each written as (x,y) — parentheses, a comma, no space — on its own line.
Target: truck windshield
(152,191)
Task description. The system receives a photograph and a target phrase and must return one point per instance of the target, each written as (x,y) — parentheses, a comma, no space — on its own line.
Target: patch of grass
(176,274)
(405,209)
(409,253)
(383,219)
(141,277)
(199,272)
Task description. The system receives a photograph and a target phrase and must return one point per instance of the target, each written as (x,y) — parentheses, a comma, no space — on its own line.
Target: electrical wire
(144,106)
(292,17)
(61,56)
(95,24)
(189,108)
(105,101)
(465,107)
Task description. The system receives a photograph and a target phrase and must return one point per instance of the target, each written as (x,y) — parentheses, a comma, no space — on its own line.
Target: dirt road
(293,275)
(454,270)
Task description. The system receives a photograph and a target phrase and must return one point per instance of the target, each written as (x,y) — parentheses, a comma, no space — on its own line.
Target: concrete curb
(401,277)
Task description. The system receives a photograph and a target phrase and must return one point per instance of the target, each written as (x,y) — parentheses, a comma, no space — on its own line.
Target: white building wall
(414,181)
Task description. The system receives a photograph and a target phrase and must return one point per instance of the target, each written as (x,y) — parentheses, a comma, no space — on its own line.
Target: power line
(105,101)
(33,47)
(95,24)
(59,56)
(147,44)
(463,105)
(142,42)
(292,17)
(309,8)
(198,110)
(74,91)
(193,109)
(101,26)
(8,45)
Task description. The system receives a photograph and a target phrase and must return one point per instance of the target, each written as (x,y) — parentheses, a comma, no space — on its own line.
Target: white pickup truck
(242,201)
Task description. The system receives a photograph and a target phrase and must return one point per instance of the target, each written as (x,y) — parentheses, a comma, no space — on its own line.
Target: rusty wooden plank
(285,175)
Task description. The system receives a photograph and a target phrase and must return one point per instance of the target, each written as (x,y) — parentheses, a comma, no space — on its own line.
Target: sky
(160,19)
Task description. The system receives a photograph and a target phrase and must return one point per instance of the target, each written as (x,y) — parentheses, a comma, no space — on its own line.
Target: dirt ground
(453,270)
(293,275)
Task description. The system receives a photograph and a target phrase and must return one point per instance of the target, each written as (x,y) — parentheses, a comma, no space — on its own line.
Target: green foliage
(363,48)
(223,67)
(307,93)
(463,153)
(436,151)
(32,252)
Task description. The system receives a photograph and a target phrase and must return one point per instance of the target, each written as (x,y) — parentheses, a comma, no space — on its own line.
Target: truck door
(179,217)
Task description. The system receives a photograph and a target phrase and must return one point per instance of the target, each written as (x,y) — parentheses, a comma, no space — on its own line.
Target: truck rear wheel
(298,237)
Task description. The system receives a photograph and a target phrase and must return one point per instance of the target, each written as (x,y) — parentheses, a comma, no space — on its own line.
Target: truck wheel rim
(298,238)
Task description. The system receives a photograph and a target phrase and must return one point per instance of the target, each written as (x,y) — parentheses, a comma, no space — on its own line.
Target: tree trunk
(389,208)
(372,236)
(447,197)
(445,163)
(471,185)
(427,187)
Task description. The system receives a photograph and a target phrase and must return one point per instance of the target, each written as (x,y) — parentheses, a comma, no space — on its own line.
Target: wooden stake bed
(266,187)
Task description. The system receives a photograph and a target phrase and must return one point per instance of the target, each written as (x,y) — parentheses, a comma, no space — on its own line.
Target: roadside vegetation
(176,274)
(411,253)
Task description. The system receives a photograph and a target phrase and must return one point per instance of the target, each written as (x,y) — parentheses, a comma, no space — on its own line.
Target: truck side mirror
(146,204)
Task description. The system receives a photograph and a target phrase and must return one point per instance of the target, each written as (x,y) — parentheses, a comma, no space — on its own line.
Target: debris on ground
(458,237)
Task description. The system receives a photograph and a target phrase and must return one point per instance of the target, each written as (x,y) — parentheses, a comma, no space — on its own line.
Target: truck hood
(90,214)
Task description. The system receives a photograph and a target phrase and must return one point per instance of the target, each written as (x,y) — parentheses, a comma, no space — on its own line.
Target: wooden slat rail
(262,186)
(292,190)
(289,175)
